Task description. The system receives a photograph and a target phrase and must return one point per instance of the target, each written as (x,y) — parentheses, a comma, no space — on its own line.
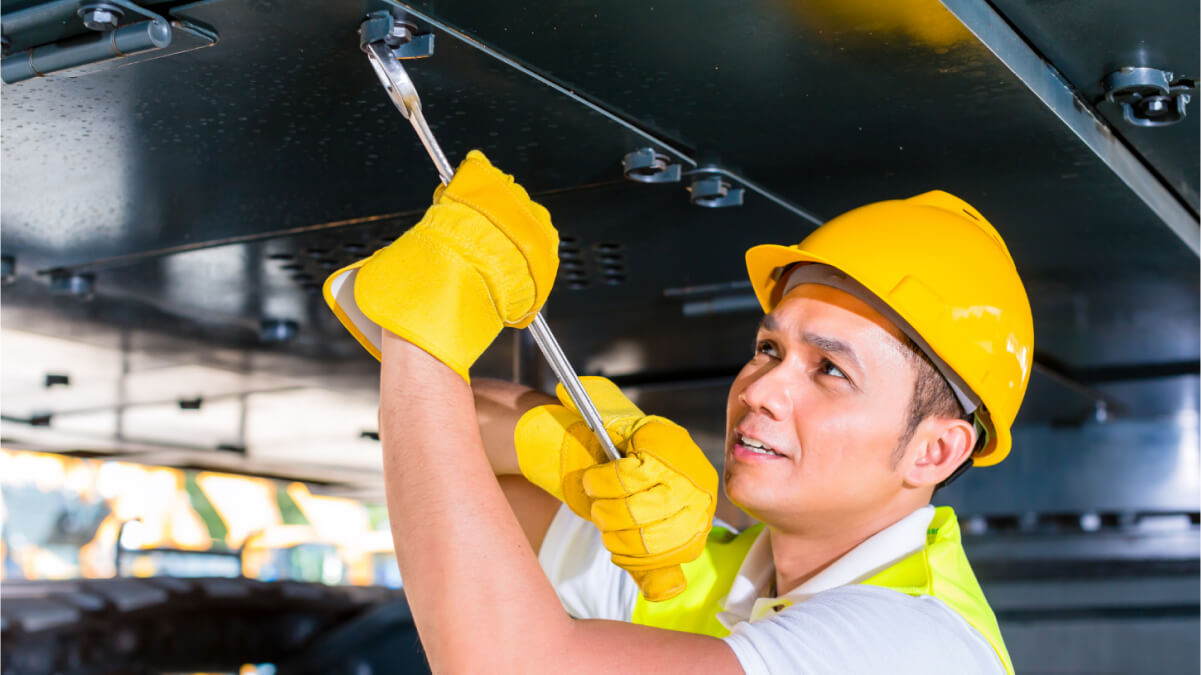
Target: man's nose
(770,392)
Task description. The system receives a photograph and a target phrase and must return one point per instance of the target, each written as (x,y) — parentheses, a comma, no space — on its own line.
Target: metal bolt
(100,16)
(1148,97)
(712,191)
(399,33)
(647,166)
(1156,105)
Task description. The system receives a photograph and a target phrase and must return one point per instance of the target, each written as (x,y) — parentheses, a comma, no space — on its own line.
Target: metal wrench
(400,89)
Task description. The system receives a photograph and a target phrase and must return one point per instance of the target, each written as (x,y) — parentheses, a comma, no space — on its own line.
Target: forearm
(466,563)
(498,406)
(479,599)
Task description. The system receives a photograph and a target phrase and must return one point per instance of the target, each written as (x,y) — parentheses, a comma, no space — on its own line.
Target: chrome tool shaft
(403,93)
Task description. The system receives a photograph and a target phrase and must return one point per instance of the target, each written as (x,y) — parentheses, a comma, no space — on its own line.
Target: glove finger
(660,537)
(636,510)
(623,477)
(651,505)
(661,584)
(691,550)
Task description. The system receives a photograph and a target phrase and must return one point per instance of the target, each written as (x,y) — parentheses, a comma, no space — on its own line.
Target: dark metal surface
(209,193)
(1089,40)
(177,216)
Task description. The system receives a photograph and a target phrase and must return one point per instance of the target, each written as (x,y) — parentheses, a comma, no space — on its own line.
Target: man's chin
(748,491)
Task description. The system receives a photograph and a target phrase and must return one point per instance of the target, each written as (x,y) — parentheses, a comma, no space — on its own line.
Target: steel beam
(1046,82)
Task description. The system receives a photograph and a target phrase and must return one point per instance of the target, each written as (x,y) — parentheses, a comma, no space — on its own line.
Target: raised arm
(483,257)
(498,406)
(479,598)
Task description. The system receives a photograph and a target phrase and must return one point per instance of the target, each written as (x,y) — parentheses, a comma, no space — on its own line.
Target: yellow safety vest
(940,570)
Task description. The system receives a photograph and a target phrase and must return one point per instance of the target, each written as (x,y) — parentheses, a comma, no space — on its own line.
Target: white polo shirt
(829,624)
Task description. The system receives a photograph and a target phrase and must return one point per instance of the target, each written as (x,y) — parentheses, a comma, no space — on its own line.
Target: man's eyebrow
(769,323)
(833,346)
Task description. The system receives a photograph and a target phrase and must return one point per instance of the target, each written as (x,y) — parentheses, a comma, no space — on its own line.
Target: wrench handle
(400,88)
(575,389)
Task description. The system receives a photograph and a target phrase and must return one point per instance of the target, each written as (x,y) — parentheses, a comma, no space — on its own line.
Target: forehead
(832,309)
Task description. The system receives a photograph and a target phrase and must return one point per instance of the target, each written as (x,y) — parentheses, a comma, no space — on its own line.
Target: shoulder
(866,629)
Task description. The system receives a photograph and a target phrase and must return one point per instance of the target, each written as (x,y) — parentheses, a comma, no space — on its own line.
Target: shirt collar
(747,602)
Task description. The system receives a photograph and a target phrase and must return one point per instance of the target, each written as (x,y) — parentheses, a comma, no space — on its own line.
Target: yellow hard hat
(940,267)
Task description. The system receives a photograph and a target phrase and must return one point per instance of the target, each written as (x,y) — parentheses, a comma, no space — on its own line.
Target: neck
(800,554)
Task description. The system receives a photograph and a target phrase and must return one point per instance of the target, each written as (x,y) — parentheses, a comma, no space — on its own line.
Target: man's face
(828,391)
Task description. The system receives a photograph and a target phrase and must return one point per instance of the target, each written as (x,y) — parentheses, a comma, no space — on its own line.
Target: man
(895,351)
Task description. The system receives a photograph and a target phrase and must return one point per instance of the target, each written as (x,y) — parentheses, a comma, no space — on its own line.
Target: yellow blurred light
(245,504)
(336,519)
(925,22)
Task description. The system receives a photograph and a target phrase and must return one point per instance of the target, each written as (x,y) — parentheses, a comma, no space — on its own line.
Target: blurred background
(190,474)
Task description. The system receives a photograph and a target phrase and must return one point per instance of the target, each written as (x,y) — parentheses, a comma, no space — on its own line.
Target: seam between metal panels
(745,182)
(1042,78)
(600,109)
(529,72)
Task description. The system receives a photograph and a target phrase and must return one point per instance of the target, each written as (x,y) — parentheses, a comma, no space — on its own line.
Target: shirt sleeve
(589,585)
(864,629)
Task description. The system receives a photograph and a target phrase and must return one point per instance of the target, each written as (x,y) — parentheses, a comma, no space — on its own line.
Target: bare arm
(498,406)
(459,546)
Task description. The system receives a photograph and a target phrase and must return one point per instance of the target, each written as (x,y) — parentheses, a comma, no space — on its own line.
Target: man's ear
(943,444)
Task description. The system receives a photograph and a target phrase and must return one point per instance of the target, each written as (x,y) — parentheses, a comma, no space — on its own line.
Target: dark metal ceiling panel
(1086,41)
(280,124)
(212,190)
(834,104)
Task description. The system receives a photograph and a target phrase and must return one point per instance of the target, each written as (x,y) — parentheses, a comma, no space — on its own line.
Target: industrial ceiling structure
(178,178)
(172,213)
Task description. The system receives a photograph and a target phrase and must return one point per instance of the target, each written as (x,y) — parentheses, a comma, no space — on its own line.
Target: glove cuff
(408,289)
(539,438)
(485,190)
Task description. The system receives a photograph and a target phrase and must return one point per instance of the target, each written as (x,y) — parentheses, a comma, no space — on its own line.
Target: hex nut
(100,18)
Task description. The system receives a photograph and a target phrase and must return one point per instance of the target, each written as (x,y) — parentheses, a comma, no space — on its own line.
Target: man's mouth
(756,446)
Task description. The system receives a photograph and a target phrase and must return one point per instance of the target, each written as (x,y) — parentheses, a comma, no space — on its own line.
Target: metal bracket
(645,165)
(712,190)
(398,33)
(116,43)
(1149,97)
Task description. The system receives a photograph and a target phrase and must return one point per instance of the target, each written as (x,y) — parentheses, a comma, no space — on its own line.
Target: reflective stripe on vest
(940,570)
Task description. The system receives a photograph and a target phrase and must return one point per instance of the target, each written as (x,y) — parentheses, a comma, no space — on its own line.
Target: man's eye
(765,347)
(828,368)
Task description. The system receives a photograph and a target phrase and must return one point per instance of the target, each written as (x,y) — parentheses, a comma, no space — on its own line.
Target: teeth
(751,442)
(756,446)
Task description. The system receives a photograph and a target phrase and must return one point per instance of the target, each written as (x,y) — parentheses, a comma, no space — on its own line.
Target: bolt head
(1155,105)
(398,34)
(100,18)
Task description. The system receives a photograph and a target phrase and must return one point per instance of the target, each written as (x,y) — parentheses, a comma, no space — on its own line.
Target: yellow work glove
(483,257)
(654,507)
(554,444)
